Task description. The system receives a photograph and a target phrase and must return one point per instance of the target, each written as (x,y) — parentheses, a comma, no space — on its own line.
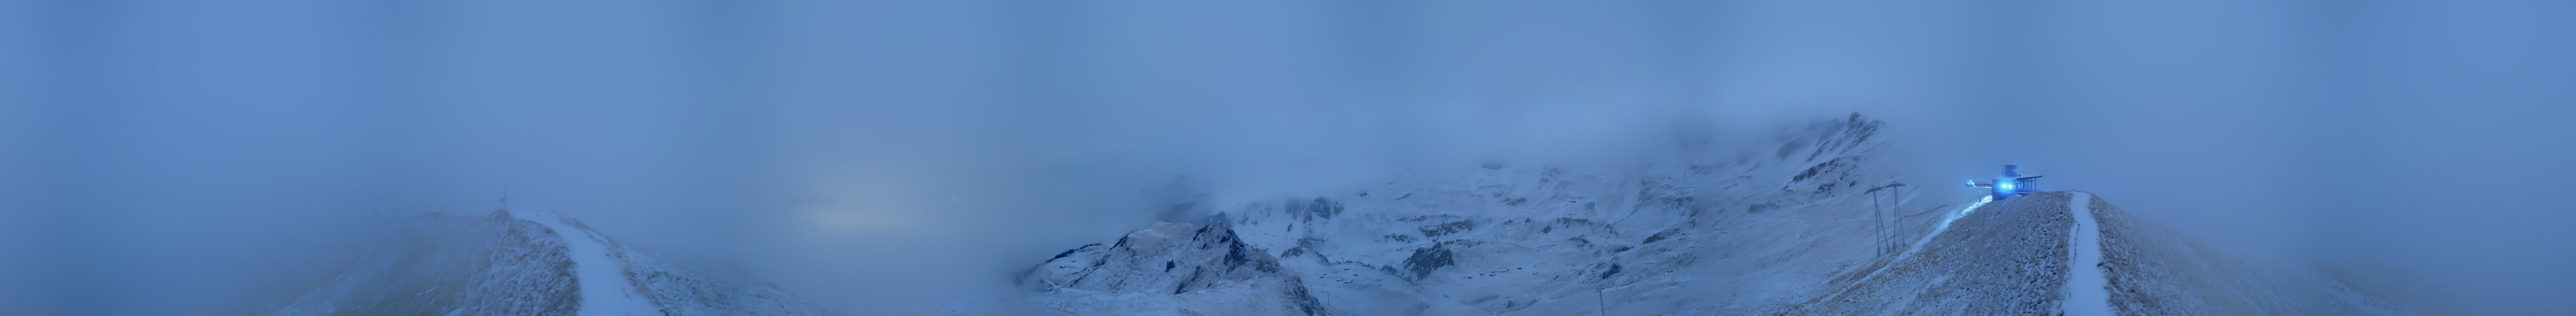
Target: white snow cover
(2087,290)
(605,291)
(530,263)
(1812,225)
(1794,228)
(1712,231)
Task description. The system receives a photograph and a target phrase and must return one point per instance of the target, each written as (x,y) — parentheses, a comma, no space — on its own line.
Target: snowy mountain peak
(1813,225)
(1544,239)
(1175,269)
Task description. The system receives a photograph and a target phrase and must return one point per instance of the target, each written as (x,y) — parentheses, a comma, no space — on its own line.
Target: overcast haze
(202,158)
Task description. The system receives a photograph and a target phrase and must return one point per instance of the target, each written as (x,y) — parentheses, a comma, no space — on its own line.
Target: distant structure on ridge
(2011,184)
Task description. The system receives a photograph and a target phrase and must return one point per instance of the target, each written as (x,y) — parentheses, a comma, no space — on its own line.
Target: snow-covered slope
(529,263)
(1814,225)
(1714,232)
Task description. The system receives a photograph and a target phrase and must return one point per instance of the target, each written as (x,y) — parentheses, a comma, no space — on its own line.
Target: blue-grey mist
(215,158)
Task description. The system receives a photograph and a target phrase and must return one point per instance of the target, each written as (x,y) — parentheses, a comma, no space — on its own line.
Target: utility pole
(1879,212)
(1603,300)
(1883,202)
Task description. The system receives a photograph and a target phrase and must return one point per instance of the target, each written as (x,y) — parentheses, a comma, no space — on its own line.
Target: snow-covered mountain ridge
(1817,226)
(1178,269)
(530,263)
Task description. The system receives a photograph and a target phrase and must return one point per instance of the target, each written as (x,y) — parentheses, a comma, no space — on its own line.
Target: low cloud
(214,159)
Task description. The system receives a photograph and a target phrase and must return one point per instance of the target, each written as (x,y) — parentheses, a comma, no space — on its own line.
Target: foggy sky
(198,158)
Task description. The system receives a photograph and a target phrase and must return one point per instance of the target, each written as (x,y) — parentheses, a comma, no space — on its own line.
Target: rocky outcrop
(1172,269)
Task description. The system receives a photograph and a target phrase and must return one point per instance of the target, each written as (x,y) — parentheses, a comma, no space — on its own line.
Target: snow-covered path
(604,290)
(2087,290)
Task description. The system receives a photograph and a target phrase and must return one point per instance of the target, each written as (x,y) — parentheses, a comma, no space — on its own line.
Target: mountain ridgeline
(1815,225)
(529,263)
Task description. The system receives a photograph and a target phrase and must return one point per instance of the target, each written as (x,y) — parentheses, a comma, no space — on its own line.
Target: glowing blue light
(2004,185)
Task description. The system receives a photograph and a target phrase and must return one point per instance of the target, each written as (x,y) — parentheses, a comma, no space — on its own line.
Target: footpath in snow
(604,290)
(2087,290)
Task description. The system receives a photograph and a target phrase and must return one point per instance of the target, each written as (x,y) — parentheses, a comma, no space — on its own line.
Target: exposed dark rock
(1447,228)
(1213,254)
(1068,252)
(1667,233)
(1427,259)
(1821,168)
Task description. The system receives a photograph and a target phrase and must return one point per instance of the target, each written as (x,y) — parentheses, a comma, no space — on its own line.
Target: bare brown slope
(469,265)
(2155,272)
(2007,258)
